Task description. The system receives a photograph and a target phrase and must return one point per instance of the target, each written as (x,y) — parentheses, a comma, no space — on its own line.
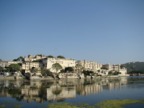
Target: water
(39,94)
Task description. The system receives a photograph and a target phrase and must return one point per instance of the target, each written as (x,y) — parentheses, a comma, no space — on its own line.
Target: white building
(7,63)
(116,68)
(90,65)
(29,65)
(123,72)
(63,62)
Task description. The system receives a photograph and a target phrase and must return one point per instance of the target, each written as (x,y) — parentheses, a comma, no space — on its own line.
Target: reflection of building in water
(56,92)
(31,92)
(124,80)
(116,83)
(40,91)
(89,89)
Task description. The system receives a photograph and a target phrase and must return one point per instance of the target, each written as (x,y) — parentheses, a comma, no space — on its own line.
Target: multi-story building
(115,68)
(107,67)
(89,65)
(29,65)
(7,63)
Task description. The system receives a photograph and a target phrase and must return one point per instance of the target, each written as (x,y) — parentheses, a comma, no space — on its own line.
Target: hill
(134,67)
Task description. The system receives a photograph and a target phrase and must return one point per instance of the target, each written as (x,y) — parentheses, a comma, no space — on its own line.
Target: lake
(118,92)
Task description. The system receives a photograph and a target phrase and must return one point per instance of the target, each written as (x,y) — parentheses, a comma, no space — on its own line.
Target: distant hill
(134,67)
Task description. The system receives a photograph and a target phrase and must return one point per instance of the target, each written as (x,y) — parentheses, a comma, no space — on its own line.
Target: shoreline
(48,78)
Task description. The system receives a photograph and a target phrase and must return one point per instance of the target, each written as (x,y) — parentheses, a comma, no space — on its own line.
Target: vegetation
(1,69)
(19,59)
(88,73)
(105,68)
(57,67)
(50,56)
(134,67)
(116,103)
(46,72)
(113,73)
(13,67)
(104,104)
(62,105)
(60,56)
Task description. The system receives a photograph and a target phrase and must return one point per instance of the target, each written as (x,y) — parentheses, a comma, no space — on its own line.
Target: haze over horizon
(105,31)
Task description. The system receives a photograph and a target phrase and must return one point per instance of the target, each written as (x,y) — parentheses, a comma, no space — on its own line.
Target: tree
(88,73)
(46,72)
(1,69)
(14,67)
(57,67)
(60,56)
(19,59)
(50,56)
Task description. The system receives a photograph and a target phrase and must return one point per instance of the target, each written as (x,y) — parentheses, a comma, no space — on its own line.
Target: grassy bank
(104,104)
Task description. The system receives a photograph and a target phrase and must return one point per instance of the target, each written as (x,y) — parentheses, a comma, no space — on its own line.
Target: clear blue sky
(107,31)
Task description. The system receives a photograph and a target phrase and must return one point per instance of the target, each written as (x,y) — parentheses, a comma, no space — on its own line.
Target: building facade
(90,65)
(48,63)
(7,63)
(115,68)
(27,66)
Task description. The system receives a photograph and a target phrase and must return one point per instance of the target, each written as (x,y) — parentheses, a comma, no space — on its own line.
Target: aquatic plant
(116,103)
(62,105)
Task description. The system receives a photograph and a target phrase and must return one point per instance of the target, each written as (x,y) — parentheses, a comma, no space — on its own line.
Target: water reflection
(41,91)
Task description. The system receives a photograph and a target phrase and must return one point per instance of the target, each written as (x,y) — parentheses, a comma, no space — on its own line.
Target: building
(3,64)
(90,65)
(107,67)
(27,66)
(48,62)
(34,58)
(7,63)
(115,68)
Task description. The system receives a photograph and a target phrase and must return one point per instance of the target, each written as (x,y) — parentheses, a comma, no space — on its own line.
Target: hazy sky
(107,31)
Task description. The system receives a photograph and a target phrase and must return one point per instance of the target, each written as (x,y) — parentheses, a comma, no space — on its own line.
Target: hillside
(134,67)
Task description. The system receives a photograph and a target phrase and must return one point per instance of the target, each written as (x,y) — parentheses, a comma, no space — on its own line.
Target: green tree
(19,59)
(88,73)
(105,68)
(14,67)
(50,56)
(60,56)
(1,69)
(46,72)
(56,67)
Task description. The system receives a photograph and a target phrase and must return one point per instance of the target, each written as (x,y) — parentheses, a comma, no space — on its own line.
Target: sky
(105,31)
